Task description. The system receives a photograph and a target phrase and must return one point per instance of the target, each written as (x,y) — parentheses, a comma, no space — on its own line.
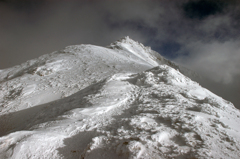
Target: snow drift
(123,101)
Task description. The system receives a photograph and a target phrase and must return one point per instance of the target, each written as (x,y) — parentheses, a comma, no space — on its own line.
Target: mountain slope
(92,102)
(62,73)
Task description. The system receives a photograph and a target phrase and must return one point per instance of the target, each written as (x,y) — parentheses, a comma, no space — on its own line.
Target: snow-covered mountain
(120,101)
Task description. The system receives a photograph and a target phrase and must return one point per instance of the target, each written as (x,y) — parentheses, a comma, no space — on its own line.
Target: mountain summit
(121,101)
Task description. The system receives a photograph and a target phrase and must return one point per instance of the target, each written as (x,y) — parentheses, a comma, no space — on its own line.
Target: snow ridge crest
(128,40)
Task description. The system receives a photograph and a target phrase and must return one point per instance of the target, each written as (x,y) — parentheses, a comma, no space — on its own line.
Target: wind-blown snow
(119,102)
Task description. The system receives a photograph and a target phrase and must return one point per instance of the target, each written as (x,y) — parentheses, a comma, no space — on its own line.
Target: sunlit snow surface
(93,102)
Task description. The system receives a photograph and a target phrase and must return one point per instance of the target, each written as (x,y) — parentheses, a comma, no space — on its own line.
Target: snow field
(131,116)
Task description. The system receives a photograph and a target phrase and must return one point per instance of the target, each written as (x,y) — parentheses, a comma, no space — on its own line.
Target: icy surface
(123,101)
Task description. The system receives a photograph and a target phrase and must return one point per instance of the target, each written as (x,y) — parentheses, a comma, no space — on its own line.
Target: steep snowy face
(159,113)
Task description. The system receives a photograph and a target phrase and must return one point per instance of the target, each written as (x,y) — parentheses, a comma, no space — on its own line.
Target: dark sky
(203,35)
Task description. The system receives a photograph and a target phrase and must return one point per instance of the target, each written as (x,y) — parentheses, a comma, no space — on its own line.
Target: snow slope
(61,74)
(124,101)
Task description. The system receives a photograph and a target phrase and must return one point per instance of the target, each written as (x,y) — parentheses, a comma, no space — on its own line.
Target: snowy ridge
(124,101)
(61,74)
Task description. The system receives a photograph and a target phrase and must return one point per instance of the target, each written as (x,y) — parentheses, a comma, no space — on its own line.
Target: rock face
(123,101)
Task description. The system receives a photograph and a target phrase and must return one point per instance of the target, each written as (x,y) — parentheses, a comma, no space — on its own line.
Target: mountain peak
(152,57)
(127,40)
(126,101)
